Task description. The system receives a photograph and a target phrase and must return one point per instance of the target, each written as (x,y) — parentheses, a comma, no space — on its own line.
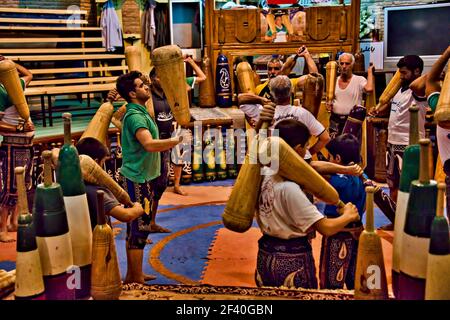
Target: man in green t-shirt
(16,150)
(141,149)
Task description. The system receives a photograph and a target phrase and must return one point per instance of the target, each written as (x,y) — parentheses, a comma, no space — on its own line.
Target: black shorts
(337,123)
(139,228)
(394,160)
(159,184)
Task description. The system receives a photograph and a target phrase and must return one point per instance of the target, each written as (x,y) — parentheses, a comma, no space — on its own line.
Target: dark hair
(346,146)
(125,84)
(275,60)
(293,132)
(92,148)
(411,62)
(152,73)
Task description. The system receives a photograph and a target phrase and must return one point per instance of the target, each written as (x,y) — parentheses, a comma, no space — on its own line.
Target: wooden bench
(64,54)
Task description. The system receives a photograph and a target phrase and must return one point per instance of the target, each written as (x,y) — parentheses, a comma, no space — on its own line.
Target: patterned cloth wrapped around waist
(354,228)
(294,245)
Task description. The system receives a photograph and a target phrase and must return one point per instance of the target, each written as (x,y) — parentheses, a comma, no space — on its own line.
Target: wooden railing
(62,51)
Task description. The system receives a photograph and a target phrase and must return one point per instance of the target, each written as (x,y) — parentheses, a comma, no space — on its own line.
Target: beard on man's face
(406,82)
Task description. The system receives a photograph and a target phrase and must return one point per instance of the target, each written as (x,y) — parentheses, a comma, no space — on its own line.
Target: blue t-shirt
(350,189)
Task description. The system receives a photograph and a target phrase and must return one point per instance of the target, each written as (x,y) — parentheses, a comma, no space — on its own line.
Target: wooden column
(356,12)
(209,35)
(209,12)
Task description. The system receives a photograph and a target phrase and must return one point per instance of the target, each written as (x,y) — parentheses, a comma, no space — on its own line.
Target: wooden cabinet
(240,32)
(324,24)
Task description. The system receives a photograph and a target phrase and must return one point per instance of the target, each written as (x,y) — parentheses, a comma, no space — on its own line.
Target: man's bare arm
(325,167)
(290,62)
(368,88)
(156,145)
(24,73)
(200,76)
(251,98)
(127,214)
(312,67)
(418,85)
(382,110)
(324,138)
(433,79)
(288,65)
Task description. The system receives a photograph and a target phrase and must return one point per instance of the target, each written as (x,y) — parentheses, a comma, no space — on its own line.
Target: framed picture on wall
(276,29)
(283,25)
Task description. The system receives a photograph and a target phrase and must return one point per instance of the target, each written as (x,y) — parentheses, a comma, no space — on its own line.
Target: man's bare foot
(149,241)
(12,227)
(154,228)
(4,237)
(148,277)
(179,191)
(116,231)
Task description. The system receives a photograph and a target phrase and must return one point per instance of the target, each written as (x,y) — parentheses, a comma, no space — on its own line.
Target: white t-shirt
(443,142)
(300,114)
(398,128)
(352,95)
(12,116)
(288,112)
(284,211)
(252,111)
(281,36)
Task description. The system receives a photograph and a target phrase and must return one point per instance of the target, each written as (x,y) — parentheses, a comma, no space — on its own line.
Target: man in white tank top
(349,92)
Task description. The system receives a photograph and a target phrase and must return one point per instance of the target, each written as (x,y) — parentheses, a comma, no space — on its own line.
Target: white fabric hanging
(148,24)
(111,30)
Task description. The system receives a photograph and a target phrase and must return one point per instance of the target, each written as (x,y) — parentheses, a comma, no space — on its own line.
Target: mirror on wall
(259,65)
